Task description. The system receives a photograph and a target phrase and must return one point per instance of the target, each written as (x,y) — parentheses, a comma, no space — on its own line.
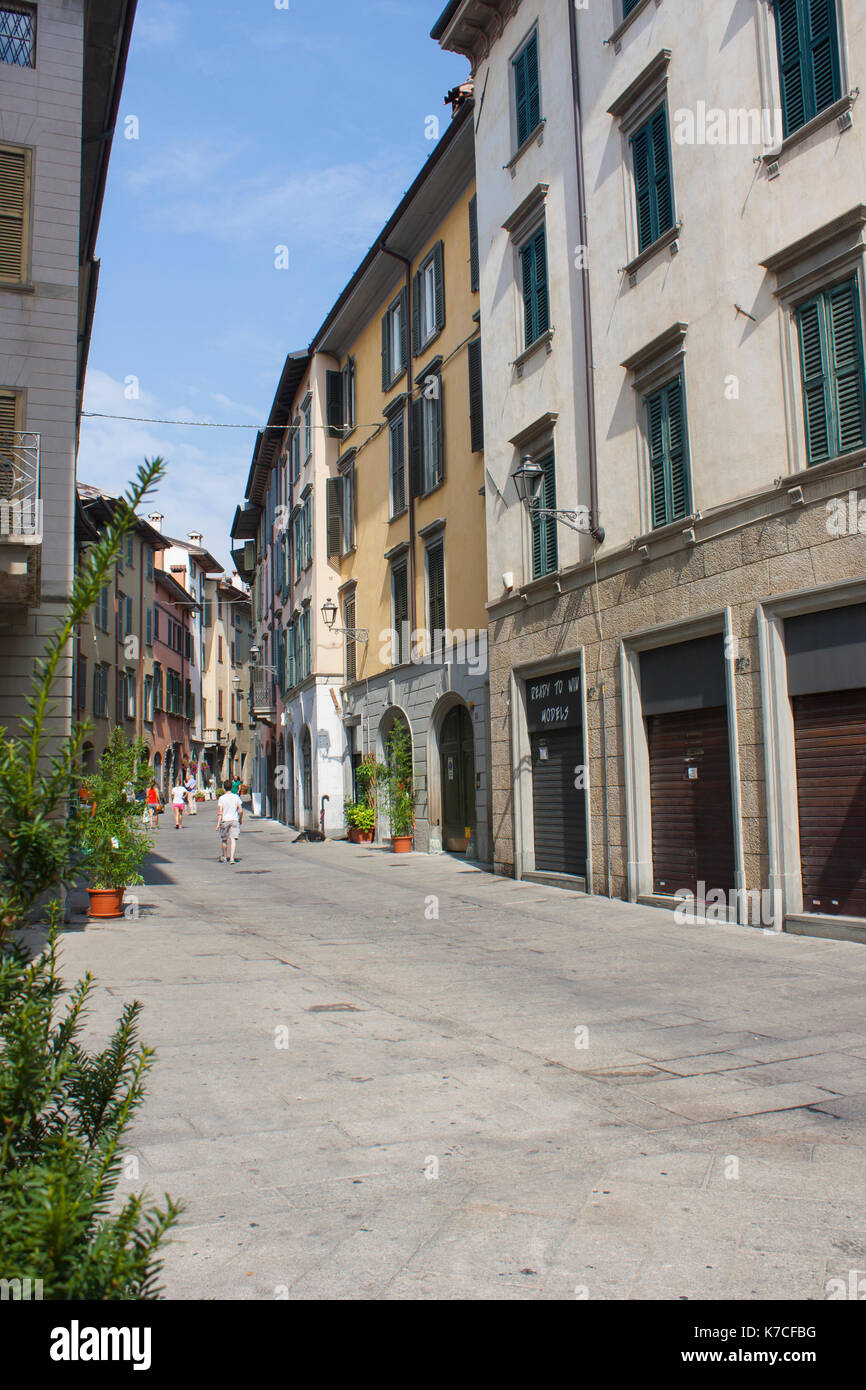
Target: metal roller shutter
(830,742)
(690,792)
(559,808)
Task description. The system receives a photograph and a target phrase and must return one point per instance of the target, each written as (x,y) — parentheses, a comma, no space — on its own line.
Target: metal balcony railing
(20,504)
(264,699)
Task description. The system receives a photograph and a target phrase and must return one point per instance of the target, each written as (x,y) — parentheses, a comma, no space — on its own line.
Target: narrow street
(356,1098)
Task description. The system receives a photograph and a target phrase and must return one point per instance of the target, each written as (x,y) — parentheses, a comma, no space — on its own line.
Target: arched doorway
(308,811)
(290,780)
(457,770)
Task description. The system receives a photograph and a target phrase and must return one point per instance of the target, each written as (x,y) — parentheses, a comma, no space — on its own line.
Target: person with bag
(154,806)
(179,800)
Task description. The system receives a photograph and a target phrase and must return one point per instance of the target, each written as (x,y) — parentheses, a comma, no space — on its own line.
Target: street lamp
(528,480)
(329,613)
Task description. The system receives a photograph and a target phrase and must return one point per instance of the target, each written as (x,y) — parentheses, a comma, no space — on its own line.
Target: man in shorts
(230,814)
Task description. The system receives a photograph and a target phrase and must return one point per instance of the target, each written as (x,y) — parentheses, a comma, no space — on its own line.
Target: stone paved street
(432,1130)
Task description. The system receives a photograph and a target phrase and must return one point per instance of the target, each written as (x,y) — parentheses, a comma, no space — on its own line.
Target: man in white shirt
(230,814)
(191,789)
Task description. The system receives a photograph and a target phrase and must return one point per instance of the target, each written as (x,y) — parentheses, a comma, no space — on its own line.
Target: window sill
(422,347)
(20,287)
(668,238)
(535,137)
(397,516)
(393,382)
(545,341)
(419,497)
(615,40)
(836,112)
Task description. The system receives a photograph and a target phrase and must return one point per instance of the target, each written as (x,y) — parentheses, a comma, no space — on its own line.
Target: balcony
(20,520)
(212,736)
(264,702)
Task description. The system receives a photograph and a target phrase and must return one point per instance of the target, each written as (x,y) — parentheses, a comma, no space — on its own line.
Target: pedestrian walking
(190,785)
(230,814)
(236,786)
(154,806)
(179,799)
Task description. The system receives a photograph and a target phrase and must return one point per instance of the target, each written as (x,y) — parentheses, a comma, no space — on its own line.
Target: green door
(457,747)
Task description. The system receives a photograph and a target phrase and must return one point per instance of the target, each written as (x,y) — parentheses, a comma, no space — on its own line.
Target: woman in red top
(154,805)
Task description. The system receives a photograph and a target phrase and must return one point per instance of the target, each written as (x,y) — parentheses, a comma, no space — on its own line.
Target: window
(397,463)
(666,431)
(809,67)
(121,614)
(831,361)
(219,649)
(654,194)
(427,446)
(308,428)
(428,299)
(527,91)
(129,693)
(340,391)
(436,594)
(18,36)
(628,6)
(148,699)
(81,687)
(400,612)
(128,629)
(101,614)
(291,657)
(303,646)
(130,552)
(148,559)
(476,397)
(148,627)
(100,691)
(298,542)
(545,553)
(351,644)
(14,214)
(189,701)
(474,262)
(295,446)
(156,624)
(307,533)
(157,686)
(394,342)
(220,712)
(536,306)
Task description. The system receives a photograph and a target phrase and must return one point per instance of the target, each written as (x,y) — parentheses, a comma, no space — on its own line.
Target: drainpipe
(410,386)
(596,531)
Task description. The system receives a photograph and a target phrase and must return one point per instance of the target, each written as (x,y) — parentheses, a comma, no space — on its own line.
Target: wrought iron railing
(264,698)
(20,504)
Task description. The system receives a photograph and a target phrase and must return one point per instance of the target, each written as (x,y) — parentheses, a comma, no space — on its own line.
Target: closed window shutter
(520,97)
(349,622)
(438,436)
(416,447)
(527,258)
(436,589)
(439,285)
(846,363)
(335,516)
(668,454)
(334,398)
(416,313)
(545,549)
(809,68)
(654,194)
(404,329)
(641,161)
(8,412)
(627,7)
(533,93)
(397,442)
(474,263)
(13,199)
(476,398)
(400,592)
(542,310)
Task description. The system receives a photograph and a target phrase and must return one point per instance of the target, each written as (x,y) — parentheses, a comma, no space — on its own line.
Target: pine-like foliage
(63,1111)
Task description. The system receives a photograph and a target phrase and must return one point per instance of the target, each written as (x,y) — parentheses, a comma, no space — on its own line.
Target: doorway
(457,751)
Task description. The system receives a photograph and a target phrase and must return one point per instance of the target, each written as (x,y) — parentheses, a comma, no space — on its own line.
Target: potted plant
(399,786)
(114,845)
(361,821)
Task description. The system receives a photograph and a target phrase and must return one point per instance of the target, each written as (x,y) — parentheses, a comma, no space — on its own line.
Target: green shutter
(533,93)
(476,399)
(666,427)
(545,549)
(628,6)
(416,313)
(816,396)
(334,398)
(536,307)
(397,450)
(846,365)
(654,194)
(809,66)
(438,436)
(474,263)
(520,95)
(436,588)
(527,260)
(335,522)
(416,439)
(386,350)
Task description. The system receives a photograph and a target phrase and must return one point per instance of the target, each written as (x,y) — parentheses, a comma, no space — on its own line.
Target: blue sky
(258,127)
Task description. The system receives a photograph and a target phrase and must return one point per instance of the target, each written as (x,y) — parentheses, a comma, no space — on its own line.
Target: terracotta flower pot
(401,844)
(352,835)
(364,837)
(106,902)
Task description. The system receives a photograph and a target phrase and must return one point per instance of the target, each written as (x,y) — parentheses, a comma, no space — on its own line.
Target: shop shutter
(690,796)
(830,744)
(558,807)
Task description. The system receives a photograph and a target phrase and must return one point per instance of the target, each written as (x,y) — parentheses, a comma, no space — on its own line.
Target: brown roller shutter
(690,792)
(830,741)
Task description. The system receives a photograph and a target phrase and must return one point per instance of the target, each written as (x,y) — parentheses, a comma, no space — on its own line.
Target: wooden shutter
(436,588)
(520,97)
(627,7)
(400,595)
(397,448)
(386,350)
(640,146)
(542,310)
(533,92)
(846,365)
(666,427)
(791,66)
(351,646)
(335,516)
(662,184)
(14,198)
(334,405)
(474,262)
(439,286)
(527,264)
(416,313)
(416,444)
(438,435)
(545,548)
(8,424)
(476,397)
(824,54)
(816,397)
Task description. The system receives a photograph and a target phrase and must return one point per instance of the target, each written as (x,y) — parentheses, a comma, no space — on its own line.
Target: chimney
(156,520)
(195,537)
(458,96)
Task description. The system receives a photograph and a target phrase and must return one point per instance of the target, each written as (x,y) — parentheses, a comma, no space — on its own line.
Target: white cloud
(207,469)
